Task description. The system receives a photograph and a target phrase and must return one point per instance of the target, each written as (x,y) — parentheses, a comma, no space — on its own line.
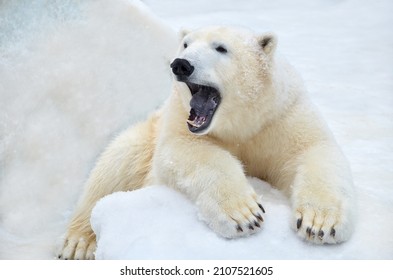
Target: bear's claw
(239,214)
(299,223)
(314,222)
(260,206)
(321,234)
(259,217)
(78,246)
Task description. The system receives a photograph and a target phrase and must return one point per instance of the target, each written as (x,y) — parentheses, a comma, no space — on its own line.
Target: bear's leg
(123,166)
(323,196)
(214,179)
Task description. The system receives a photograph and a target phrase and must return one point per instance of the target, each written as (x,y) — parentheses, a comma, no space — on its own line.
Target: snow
(170,229)
(74,74)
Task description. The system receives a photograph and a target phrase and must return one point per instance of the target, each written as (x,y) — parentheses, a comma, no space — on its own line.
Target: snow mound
(157,222)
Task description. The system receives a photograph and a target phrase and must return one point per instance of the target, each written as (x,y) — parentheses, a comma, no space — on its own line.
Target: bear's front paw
(322,224)
(232,214)
(78,246)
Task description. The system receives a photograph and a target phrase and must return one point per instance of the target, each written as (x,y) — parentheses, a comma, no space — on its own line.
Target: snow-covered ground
(73,75)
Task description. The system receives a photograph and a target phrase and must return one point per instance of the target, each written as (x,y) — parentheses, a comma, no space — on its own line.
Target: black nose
(181,67)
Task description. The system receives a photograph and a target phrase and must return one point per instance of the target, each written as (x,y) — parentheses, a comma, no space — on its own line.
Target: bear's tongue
(203,105)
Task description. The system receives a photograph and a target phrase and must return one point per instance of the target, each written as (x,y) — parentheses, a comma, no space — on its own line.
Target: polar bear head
(224,78)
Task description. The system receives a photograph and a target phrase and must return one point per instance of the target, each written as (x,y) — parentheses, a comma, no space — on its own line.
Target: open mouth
(204,103)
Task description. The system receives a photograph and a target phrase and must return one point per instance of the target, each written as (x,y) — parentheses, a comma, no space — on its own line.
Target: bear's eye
(221,49)
(185,45)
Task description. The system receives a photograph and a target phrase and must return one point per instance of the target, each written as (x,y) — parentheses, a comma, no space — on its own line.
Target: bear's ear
(268,42)
(183,33)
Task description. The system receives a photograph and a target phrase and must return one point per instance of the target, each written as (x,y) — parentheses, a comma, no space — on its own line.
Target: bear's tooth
(193,123)
(198,121)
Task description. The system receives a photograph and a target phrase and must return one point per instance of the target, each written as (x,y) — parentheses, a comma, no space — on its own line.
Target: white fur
(265,127)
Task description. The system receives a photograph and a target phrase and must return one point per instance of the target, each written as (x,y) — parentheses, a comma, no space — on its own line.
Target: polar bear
(237,109)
